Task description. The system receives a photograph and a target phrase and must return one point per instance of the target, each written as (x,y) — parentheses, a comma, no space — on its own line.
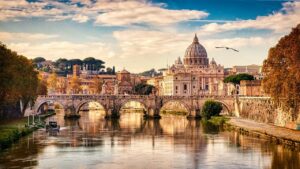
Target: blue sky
(139,35)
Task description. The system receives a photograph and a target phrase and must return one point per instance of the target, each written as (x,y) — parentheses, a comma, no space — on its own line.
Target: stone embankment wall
(262,109)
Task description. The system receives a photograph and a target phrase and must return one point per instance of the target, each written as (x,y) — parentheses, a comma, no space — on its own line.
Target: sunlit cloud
(278,22)
(28,37)
(102,12)
(63,49)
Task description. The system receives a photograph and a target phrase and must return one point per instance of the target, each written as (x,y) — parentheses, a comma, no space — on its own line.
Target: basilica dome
(195,55)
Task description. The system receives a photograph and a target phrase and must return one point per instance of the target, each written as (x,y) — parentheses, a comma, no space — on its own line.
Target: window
(194,87)
(206,87)
(176,87)
(184,87)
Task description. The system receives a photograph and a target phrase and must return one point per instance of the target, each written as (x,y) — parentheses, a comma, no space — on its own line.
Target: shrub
(211,108)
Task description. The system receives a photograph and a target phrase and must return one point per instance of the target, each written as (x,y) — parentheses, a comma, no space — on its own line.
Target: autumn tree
(282,71)
(52,82)
(18,82)
(98,85)
(75,85)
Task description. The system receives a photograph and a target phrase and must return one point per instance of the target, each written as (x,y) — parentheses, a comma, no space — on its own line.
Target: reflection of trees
(285,159)
(23,154)
(209,127)
(282,158)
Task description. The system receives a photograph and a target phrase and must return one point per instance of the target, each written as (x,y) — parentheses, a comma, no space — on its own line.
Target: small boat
(52,126)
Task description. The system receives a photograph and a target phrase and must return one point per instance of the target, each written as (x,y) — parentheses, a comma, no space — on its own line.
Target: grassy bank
(218,120)
(180,113)
(13,130)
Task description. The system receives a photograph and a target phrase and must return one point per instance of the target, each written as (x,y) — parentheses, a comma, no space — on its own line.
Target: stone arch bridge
(112,104)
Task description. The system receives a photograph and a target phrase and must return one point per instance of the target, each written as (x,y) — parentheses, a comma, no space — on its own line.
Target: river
(131,142)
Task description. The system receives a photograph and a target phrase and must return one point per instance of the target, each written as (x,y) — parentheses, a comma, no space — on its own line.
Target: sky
(143,34)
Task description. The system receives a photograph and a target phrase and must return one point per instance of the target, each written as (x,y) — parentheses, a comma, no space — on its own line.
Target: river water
(131,142)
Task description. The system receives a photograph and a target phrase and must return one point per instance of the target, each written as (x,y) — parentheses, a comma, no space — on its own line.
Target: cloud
(278,22)
(9,36)
(141,43)
(132,12)
(102,12)
(63,49)
(80,18)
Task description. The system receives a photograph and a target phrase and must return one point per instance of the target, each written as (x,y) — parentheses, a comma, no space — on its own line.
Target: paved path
(280,132)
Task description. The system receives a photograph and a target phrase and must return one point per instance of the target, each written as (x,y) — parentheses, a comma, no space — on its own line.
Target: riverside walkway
(279,134)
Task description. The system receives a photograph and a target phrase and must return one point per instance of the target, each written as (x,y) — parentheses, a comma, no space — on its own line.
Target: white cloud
(279,22)
(141,43)
(63,49)
(103,12)
(131,12)
(80,18)
(9,36)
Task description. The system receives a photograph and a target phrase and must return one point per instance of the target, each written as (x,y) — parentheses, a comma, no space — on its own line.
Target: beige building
(251,88)
(194,76)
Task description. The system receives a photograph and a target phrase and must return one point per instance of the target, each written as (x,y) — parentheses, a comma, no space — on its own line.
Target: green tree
(38,59)
(236,79)
(211,108)
(143,89)
(282,71)
(93,64)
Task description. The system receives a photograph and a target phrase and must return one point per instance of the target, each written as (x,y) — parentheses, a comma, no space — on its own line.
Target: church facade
(195,75)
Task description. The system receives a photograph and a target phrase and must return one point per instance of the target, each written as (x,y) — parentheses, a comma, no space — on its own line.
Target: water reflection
(131,142)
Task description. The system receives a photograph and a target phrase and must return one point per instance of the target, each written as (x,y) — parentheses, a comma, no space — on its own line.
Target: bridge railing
(98,96)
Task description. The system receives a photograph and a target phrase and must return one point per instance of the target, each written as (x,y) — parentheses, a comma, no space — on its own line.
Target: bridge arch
(125,101)
(183,103)
(224,105)
(41,103)
(80,104)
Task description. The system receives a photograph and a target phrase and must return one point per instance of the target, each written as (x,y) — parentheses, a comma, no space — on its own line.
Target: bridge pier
(70,112)
(194,114)
(152,113)
(112,113)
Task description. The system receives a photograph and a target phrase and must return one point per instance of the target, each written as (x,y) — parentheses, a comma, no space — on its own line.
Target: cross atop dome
(195,39)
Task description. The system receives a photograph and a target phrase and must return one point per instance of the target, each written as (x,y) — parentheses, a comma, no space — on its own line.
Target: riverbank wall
(278,135)
(262,109)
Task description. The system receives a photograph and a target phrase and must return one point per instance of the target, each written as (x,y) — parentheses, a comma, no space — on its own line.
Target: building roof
(195,50)
(124,71)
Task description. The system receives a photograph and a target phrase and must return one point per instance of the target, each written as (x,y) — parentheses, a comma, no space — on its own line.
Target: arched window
(184,87)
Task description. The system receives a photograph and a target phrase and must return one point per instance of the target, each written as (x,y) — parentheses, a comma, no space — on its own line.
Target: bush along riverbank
(12,131)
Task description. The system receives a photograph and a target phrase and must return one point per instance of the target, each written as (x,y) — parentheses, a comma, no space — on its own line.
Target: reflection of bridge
(112,104)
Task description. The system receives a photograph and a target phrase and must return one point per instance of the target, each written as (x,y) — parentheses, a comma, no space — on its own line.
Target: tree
(52,82)
(38,59)
(282,71)
(42,88)
(149,73)
(109,70)
(211,108)
(93,64)
(18,82)
(98,85)
(143,89)
(75,85)
(73,62)
(236,79)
